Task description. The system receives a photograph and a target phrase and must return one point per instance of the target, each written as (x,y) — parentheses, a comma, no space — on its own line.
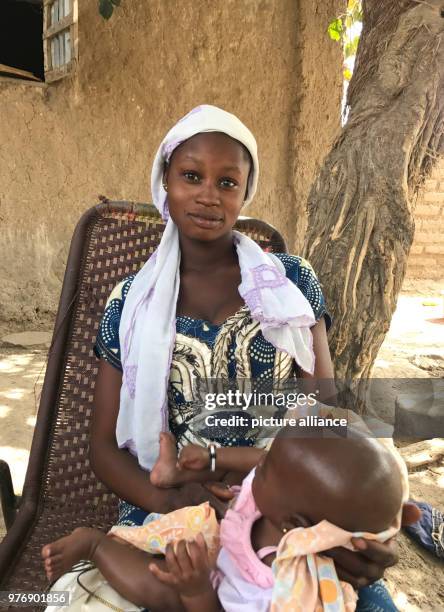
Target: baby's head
(354,483)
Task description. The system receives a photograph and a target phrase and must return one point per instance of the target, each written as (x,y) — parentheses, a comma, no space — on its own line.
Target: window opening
(21,47)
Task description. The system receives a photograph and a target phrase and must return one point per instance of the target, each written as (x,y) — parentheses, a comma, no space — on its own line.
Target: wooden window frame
(70,22)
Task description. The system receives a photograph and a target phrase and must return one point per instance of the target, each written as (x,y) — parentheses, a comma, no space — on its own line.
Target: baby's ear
(296,520)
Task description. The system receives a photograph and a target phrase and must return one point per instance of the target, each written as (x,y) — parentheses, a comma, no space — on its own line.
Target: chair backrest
(111,241)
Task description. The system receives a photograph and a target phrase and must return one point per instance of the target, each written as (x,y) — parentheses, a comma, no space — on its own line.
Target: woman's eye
(226,182)
(191,176)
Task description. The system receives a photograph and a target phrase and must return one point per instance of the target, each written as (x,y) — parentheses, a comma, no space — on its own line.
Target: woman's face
(207,182)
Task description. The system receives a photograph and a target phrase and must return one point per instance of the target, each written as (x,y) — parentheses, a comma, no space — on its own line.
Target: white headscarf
(148,322)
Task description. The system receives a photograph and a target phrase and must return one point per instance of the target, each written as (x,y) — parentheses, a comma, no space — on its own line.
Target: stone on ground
(28,339)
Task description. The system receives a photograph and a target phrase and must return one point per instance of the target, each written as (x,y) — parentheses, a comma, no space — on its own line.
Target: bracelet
(212,451)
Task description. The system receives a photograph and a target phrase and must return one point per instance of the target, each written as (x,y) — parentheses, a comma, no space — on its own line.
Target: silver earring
(165,186)
(284,530)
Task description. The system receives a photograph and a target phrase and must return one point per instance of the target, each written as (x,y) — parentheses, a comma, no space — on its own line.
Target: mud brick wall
(96,131)
(426,259)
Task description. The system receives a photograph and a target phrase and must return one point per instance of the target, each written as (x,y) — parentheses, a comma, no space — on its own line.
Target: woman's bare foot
(165,472)
(61,555)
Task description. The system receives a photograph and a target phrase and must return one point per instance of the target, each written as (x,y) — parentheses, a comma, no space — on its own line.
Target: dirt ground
(413,349)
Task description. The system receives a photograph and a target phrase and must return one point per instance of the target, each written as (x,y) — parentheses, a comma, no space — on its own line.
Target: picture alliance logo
(273,422)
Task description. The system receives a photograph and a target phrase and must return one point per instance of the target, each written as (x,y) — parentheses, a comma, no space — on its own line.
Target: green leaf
(347,74)
(106,8)
(335,29)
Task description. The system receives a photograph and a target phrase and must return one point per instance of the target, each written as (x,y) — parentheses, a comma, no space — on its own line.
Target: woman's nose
(208,194)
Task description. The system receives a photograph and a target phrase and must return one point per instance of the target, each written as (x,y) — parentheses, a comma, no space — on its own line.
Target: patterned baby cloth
(182,524)
(306,580)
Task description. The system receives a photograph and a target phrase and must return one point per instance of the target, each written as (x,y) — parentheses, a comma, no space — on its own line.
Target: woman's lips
(205,222)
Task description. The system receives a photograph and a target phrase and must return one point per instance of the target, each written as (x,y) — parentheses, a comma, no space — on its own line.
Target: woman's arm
(323,364)
(322,381)
(118,469)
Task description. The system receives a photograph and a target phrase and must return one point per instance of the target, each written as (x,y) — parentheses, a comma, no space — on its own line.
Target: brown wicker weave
(111,241)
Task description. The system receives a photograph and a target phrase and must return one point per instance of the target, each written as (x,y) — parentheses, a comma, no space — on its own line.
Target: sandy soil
(413,348)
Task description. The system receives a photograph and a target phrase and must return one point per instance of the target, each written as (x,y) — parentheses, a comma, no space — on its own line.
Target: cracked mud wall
(96,131)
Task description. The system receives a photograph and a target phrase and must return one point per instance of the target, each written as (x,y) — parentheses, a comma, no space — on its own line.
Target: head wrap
(148,322)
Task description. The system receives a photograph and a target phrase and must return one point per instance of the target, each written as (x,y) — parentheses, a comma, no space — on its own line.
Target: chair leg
(7,497)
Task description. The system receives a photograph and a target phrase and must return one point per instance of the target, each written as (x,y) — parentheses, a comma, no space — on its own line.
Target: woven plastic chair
(111,241)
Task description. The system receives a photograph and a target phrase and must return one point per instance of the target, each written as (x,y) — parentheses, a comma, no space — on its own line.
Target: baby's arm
(229,459)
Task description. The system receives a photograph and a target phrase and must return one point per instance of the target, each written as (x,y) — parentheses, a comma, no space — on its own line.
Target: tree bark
(360,207)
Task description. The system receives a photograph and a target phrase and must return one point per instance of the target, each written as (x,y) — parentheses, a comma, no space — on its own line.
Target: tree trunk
(360,206)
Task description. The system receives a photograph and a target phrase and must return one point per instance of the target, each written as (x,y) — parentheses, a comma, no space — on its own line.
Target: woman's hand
(368,565)
(193,494)
(221,490)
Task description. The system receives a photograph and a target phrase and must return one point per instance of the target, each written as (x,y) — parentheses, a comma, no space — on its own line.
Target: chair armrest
(7,497)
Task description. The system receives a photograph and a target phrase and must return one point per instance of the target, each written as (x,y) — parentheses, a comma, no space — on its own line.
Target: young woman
(208,303)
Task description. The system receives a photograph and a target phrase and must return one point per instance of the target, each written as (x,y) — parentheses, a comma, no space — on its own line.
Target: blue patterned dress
(234,348)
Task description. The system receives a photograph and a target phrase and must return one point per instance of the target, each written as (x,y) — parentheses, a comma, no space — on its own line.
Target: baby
(304,496)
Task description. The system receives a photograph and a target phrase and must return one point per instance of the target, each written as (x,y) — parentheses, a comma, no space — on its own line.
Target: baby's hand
(188,568)
(193,457)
